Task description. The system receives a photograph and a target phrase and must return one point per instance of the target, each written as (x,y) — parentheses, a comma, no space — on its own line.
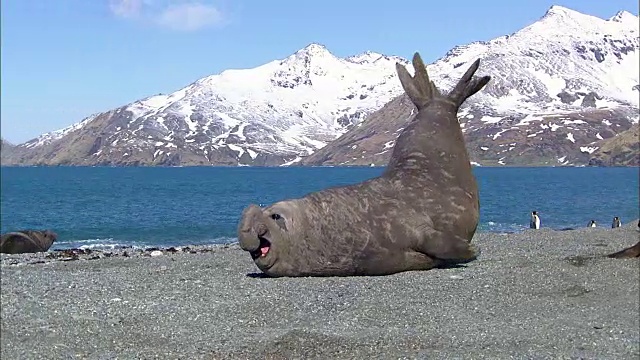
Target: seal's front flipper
(447,247)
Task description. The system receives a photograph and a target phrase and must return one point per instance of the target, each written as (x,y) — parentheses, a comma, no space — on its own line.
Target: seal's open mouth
(265,246)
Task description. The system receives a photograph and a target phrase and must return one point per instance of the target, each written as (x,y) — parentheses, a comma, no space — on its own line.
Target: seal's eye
(279,221)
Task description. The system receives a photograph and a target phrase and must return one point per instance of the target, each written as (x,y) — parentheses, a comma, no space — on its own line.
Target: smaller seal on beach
(630,252)
(591,223)
(27,241)
(534,223)
(616,223)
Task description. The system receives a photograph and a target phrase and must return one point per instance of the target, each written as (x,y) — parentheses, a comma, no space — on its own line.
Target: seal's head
(267,234)
(42,239)
(49,236)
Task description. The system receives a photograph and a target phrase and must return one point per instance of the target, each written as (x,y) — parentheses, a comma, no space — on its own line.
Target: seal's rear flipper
(421,90)
(447,247)
(468,85)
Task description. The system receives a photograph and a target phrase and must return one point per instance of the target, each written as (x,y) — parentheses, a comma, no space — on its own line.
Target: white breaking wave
(111,243)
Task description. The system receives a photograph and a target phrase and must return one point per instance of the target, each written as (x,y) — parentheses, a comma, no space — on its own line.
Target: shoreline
(539,293)
(127,251)
(204,246)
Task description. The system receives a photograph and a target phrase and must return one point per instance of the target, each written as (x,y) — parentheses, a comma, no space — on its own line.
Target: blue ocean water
(97,207)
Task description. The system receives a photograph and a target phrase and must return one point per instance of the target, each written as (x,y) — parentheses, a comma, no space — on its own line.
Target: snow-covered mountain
(559,88)
(558,85)
(266,115)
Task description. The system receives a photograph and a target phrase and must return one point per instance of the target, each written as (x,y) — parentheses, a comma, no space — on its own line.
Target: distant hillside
(621,150)
(6,151)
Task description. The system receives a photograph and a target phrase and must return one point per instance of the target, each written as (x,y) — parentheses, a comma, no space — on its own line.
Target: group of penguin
(535,222)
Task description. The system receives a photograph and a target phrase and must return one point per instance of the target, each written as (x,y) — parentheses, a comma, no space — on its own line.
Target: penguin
(535,220)
(616,222)
(592,223)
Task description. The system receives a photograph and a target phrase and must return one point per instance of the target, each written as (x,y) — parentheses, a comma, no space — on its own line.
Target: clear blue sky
(65,59)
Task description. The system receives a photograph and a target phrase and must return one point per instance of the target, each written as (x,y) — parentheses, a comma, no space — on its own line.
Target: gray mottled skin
(420,213)
(27,241)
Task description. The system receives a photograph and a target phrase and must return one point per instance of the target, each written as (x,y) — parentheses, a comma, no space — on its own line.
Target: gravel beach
(539,294)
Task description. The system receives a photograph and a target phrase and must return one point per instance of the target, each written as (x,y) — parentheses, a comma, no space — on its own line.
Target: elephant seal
(630,252)
(27,241)
(420,213)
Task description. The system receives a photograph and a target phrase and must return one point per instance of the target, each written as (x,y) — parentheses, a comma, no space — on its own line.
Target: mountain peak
(573,25)
(312,53)
(623,16)
(365,57)
(561,11)
(557,9)
(314,49)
